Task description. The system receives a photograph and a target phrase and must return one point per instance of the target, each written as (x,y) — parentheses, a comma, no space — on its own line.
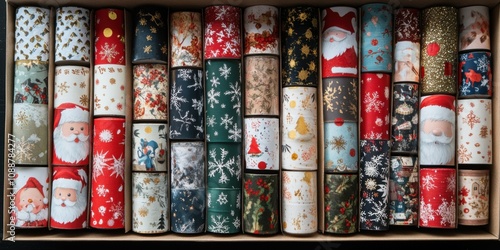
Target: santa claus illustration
(437,130)
(340,43)
(69,198)
(71,135)
(31,208)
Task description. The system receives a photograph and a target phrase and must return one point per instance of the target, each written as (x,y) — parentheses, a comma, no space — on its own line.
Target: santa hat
(69,112)
(438,107)
(70,178)
(32,182)
(343,23)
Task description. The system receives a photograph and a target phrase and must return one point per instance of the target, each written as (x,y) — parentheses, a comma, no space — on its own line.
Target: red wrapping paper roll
(108,167)
(109,37)
(375,106)
(438,197)
(222,32)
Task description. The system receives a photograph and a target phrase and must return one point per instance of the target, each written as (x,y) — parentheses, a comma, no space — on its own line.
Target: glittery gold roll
(439,50)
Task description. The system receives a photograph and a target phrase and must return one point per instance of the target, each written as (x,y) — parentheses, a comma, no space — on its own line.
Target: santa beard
(70,212)
(337,48)
(436,150)
(67,149)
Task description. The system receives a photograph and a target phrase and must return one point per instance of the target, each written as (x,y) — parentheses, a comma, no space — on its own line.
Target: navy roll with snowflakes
(186,104)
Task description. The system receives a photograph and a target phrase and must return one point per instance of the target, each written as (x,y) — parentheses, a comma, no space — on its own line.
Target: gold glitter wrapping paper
(439,50)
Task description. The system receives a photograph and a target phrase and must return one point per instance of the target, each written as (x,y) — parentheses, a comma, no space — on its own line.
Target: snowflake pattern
(223,167)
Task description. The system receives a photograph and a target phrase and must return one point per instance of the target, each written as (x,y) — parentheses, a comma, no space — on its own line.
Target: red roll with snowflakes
(222,32)
(438,197)
(107,184)
(375,106)
(109,37)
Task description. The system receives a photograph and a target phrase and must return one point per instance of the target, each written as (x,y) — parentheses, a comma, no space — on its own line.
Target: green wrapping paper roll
(341,203)
(439,50)
(224,210)
(30,82)
(224,165)
(261,204)
(223,100)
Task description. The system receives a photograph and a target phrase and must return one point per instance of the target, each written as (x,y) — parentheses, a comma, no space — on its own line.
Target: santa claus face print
(79,130)
(71,144)
(31,200)
(66,196)
(437,145)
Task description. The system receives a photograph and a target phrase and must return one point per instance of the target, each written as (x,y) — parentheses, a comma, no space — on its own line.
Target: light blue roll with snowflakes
(341,147)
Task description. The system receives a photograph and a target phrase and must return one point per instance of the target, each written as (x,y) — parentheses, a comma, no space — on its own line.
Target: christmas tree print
(161,222)
(254,148)
(302,126)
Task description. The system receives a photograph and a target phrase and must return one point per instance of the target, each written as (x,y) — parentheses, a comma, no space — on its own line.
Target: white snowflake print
(108,52)
(106,136)
(117,211)
(236,222)
(373,102)
(451,183)
(235,93)
(214,81)
(176,97)
(219,224)
(221,12)
(102,210)
(426,212)
(238,198)
(197,82)
(212,97)
(184,74)
(482,63)
(226,121)
(372,167)
(198,105)
(447,212)
(102,191)
(428,182)
(225,71)
(118,167)
(223,166)
(234,133)
(383,188)
(211,121)
(209,200)
(222,199)
(99,164)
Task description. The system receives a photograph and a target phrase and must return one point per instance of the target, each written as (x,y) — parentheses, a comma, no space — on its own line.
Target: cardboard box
(488,232)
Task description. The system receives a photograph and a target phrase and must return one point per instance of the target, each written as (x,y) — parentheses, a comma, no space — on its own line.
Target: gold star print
(312,66)
(147,49)
(149,38)
(305,50)
(290,31)
(303,74)
(153,29)
(303,16)
(292,63)
(143,21)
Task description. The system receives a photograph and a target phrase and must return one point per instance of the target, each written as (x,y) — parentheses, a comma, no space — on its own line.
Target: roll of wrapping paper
(110,90)
(439,47)
(404,124)
(299,130)
(72,35)
(71,135)
(151,35)
(187,211)
(150,203)
(72,85)
(339,50)
(475,75)
(222,25)
(376,37)
(437,120)
(186,115)
(150,92)
(30,130)
(300,46)
(374,174)
(109,37)
(474,131)
(31,197)
(30,82)
(261,27)
(403,191)
(224,164)
(474,28)
(150,147)
(262,85)
(299,202)
(68,208)
(438,196)
(473,197)
(340,99)
(341,203)
(107,199)
(224,100)
(32,31)
(261,204)
(187,165)
(407,45)
(375,106)
(224,210)
(186,39)
(340,147)
(262,143)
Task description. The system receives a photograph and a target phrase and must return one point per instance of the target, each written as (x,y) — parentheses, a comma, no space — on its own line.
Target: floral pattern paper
(261,204)
(222,32)
(110,90)
(473,197)
(150,148)
(300,46)
(341,203)
(438,196)
(474,28)
(261,147)
(72,85)
(186,39)
(224,100)
(32,31)
(299,138)
(261,26)
(186,112)
(107,200)
(150,35)
(150,203)
(340,147)
(474,131)
(374,185)
(30,82)
(29,128)
(72,34)
(150,92)
(262,85)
